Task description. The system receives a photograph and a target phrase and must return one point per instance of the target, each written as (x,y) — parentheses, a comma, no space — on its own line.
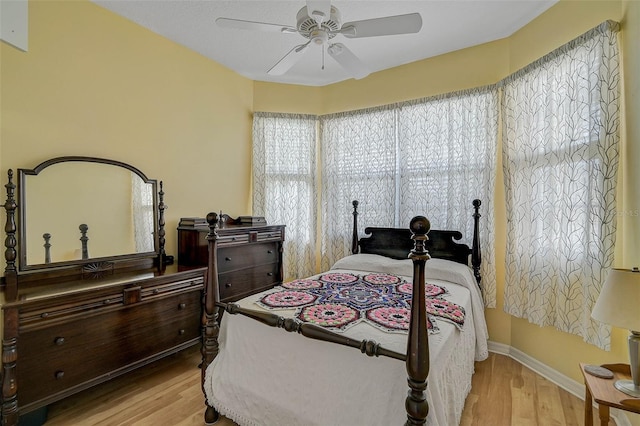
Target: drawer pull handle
(233,238)
(270,251)
(59,341)
(106,301)
(270,274)
(59,375)
(156,291)
(228,285)
(181,331)
(44,315)
(181,306)
(228,259)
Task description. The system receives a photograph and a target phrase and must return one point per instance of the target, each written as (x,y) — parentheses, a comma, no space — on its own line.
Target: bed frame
(390,242)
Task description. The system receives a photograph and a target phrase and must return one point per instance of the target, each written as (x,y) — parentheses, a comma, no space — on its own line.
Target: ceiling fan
(319,22)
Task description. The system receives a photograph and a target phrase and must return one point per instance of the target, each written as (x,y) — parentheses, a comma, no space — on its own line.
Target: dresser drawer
(237,284)
(238,257)
(171,288)
(56,358)
(46,313)
(234,239)
(42,314)
(193,247)
(273,235)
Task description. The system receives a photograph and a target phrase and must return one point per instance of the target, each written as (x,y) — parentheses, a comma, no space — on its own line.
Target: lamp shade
(619,300)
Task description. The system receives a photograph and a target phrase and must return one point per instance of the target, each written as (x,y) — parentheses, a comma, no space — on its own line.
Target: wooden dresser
(102,298)
(85,333)
(249,257)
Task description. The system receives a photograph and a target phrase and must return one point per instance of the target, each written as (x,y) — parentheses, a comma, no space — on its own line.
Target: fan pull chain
(322,57)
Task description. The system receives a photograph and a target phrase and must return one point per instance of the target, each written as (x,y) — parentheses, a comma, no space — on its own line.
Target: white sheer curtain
(284,184)
(142,212)
(560,151)
(447,148)
(430,157)
(358,163)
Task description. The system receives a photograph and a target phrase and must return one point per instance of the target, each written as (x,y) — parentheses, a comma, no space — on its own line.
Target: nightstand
(606,395)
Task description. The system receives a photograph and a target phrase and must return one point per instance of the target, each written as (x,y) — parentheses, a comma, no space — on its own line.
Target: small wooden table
(606,395)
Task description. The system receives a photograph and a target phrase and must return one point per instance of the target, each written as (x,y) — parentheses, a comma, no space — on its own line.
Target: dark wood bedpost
(10,333)
(210,318)
(476,255)
(47,247)
(418,344)
(162,255)
(354,239)
(84,240)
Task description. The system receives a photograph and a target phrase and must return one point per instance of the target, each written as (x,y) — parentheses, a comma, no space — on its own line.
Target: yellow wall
(95,84)
(443,74)
(630,208)
(288,98)
(630,213)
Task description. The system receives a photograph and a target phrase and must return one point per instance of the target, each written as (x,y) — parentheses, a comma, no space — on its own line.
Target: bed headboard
(396,243)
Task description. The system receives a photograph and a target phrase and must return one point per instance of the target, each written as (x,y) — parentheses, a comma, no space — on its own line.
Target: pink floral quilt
(338,300)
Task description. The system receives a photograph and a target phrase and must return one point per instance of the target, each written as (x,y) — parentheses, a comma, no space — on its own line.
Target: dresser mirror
(78,210)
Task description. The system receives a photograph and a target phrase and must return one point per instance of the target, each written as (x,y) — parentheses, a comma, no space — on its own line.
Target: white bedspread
(266,376)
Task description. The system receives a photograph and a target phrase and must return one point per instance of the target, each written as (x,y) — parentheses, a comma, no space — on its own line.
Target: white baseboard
(552,375)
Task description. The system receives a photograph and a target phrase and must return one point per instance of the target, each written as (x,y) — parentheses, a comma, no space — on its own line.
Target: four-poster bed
(259,375)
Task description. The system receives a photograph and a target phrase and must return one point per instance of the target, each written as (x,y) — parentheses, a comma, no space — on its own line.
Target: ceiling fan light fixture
(319,37)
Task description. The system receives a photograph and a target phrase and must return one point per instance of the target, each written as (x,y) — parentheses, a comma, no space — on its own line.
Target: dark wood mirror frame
(82,268)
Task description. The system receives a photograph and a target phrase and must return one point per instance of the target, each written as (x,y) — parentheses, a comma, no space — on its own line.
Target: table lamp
(619,305)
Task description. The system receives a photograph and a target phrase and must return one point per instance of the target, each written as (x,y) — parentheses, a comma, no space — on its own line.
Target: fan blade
(320,10)
(389,25)
(254,26)
(348,60)
(288,60)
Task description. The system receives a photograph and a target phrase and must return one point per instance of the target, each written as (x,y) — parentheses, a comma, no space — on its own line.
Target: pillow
(375,263)
(448,270)
(435,269)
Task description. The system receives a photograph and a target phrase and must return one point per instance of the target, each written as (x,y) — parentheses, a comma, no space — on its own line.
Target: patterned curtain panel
(430,157)
(358,163)
(560,150)
(284,184)
(447,148)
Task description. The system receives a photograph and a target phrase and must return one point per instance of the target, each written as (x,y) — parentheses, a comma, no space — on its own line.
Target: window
(431,157)
(428,157)
(560,127)
(284,184)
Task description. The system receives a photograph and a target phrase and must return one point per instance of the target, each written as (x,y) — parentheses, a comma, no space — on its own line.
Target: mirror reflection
(82,210)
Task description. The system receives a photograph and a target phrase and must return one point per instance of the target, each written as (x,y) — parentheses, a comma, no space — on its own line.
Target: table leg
(588,408)
(603,412)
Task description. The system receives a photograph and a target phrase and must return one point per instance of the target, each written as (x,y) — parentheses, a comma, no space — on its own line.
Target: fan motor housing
(308,27)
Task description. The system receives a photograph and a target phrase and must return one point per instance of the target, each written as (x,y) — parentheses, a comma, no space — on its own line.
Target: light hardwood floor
(168,393)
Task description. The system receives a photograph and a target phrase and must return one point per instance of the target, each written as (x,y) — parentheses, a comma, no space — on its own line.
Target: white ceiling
(448,25)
